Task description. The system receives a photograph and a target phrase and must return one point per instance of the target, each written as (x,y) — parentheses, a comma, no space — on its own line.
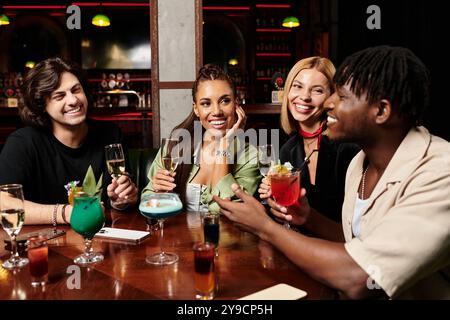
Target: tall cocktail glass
(87,219)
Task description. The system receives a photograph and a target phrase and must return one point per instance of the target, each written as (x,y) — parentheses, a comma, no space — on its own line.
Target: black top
(43,165)
(327,195)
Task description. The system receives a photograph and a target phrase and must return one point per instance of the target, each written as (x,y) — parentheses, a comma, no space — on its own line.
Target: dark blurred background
(247,32)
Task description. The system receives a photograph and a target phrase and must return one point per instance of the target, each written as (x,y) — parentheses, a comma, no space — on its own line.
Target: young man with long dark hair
(58,144)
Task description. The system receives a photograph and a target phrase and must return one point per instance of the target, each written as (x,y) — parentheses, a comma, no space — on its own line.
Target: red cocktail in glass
(285,188)
(38,257)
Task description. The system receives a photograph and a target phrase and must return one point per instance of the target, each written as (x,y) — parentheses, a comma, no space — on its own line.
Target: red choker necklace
(317,133)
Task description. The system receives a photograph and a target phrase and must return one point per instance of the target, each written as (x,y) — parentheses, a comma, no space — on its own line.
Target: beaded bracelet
(55,211)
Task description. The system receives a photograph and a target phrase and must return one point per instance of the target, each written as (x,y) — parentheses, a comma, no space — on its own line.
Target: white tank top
(357,214)
(194,197)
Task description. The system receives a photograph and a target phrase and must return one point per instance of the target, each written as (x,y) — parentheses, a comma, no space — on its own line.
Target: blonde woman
(308,84)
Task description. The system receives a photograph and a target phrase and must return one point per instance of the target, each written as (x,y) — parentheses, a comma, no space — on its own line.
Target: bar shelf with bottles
(241,81)
(274,48)
(10,83)
(121,90)
(273,44)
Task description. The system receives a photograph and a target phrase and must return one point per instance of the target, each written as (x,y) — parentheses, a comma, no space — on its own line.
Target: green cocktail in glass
(87,219)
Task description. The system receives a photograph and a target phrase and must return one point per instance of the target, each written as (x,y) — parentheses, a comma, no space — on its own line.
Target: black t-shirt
(43,165)
(327,195)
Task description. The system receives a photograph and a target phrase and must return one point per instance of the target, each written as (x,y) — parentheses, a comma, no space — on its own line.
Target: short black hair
(39,83)
(392,73)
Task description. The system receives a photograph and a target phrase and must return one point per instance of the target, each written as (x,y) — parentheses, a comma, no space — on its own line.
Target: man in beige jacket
(394,240)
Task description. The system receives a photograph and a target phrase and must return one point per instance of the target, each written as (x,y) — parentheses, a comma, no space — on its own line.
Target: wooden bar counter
(244,265)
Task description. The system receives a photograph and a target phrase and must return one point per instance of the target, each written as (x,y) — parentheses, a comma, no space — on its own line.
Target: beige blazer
(405,230)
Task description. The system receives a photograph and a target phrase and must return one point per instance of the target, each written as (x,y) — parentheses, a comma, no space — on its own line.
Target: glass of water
(12,218)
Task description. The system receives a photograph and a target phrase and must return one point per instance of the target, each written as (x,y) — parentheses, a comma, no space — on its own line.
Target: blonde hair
(324,66)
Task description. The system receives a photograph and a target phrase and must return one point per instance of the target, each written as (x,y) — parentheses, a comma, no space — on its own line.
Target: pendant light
(233,62)
(4,20)
(100,19)
(291,22)
(30,64)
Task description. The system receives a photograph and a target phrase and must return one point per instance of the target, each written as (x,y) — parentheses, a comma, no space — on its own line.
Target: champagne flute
(266,156)
(12,218)
(115,159)
(170,154)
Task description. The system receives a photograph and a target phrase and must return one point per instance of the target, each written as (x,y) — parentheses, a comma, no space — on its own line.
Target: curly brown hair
(38,85)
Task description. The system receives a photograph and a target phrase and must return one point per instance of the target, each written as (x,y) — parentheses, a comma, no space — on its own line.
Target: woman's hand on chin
(240,123)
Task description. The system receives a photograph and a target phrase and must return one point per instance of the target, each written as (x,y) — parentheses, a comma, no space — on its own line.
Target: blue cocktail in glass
(161,206)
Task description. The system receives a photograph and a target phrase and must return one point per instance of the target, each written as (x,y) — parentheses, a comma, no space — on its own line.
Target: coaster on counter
(280,291)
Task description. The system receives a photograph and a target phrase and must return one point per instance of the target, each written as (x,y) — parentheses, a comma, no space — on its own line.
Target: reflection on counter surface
(124,274)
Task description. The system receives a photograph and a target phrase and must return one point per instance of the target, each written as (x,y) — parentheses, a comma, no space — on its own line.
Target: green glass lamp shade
(291,22)
(4,20)
(100,20)
(30,64)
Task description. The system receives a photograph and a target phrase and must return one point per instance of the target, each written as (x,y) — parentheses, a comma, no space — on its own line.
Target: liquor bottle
(272,22)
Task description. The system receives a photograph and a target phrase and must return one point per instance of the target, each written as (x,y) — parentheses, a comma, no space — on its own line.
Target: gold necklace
(363,184)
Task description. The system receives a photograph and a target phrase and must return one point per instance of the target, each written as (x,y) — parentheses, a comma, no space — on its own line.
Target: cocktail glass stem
(14,261)
(14,254)
(161,236)
(161,258)
(263,201)
(88,256)
(87,247)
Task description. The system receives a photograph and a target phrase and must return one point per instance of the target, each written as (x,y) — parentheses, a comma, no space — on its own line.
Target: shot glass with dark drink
(204,275)
(211,229)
